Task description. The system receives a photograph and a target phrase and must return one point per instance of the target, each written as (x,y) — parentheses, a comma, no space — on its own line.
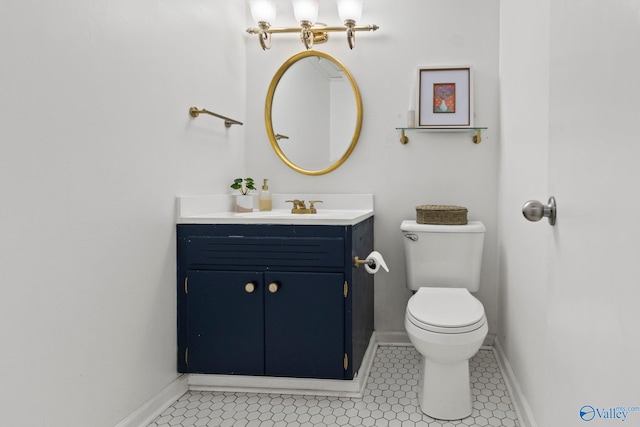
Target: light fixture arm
(263,35)
(351,34)
(306,35)
(316,30)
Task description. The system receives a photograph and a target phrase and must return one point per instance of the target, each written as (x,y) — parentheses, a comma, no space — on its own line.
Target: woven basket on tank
(441,215)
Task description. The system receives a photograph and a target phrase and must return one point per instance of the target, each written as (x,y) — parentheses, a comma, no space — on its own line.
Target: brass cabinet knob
(250,287)
(273,287)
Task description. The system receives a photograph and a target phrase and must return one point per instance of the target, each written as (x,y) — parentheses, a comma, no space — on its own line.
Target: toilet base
(445,390)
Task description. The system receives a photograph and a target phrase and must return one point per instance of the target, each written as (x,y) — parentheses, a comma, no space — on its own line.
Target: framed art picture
(445,97)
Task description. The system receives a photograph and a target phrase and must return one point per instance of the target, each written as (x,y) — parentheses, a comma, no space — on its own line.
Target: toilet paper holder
(357,262)
(372,263)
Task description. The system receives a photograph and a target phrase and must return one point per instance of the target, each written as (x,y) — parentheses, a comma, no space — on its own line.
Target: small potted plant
(244,200)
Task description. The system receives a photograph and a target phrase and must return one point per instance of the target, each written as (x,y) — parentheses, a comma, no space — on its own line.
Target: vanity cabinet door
(225,322)
(304,324)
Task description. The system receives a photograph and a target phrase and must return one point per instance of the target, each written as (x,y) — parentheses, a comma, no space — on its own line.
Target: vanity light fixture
(306,13)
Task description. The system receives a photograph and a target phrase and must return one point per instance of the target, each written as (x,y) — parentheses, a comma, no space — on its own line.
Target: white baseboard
(284,385)
(401,338)
(148,412)
(522,408)
(392,338)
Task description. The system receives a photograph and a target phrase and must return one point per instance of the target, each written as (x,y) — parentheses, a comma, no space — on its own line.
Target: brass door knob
(273,287)
(250,287)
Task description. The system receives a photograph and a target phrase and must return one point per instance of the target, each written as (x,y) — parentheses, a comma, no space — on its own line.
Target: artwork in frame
(445,97)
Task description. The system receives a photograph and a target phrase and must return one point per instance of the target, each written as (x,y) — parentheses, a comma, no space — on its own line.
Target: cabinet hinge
(186,285)
(186,356)
(346,361)
(346,289)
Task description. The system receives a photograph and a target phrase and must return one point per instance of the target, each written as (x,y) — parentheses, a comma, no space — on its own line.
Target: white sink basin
(342,209)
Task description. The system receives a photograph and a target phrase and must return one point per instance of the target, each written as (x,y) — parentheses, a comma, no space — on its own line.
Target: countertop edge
(303,219)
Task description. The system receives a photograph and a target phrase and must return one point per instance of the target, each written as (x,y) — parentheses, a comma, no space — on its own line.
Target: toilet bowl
(447,326)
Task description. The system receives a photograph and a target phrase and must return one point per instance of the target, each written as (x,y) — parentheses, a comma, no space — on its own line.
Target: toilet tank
(443,256)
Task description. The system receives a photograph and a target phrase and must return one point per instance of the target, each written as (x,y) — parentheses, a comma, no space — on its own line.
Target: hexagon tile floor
(390,399)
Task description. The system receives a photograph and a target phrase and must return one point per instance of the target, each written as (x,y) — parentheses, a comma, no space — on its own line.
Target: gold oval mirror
(313,113)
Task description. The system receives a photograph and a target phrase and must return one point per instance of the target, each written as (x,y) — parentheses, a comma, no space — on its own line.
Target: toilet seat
(445,310)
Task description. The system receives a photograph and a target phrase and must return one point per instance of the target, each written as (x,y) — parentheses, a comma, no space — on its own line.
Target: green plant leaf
(244,189)
(249,183)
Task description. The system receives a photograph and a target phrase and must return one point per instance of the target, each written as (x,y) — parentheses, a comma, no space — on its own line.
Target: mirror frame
(269,106)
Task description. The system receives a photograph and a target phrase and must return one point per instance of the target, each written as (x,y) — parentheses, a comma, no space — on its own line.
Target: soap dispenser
(264,199)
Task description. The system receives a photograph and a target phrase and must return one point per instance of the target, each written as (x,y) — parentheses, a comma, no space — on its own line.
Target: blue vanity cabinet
(275,300)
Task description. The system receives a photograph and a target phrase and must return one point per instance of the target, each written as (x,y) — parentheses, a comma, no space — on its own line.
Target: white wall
(433,168)
(95,143)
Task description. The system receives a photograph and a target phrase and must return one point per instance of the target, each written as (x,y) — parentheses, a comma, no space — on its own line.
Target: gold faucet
(299,207)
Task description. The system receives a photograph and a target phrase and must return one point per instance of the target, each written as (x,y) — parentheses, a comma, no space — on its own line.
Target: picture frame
(445,97)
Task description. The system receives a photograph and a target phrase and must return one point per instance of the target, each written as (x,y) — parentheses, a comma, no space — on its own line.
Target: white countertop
(335,209)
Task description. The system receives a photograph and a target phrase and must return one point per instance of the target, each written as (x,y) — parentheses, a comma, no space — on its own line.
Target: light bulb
(263,10)
(350,10)
(306,10)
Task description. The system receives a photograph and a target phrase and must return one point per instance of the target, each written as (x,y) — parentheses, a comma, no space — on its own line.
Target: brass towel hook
(195,112)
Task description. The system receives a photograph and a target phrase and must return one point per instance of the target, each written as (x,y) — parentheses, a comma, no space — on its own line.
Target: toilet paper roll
(378,262)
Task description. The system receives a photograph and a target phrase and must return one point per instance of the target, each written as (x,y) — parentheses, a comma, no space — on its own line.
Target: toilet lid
(445,307)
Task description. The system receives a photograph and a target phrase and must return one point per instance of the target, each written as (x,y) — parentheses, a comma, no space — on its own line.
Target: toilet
(444,321)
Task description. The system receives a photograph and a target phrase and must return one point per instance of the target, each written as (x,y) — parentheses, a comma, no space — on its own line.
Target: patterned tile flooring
(390,399)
